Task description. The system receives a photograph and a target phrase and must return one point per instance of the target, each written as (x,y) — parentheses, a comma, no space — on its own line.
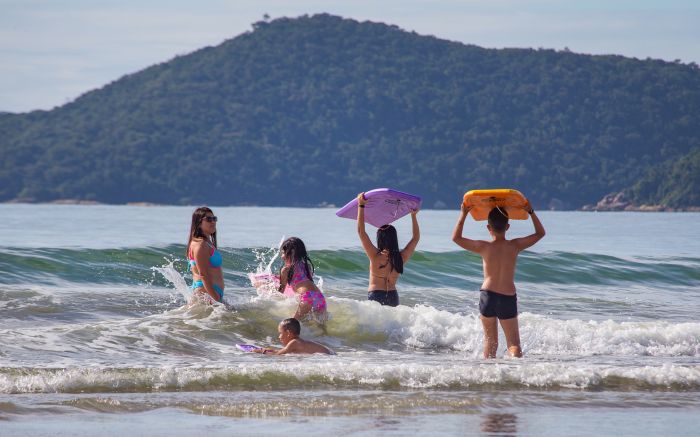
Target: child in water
(498,300)
(298,272)
(289,330)
(386,260)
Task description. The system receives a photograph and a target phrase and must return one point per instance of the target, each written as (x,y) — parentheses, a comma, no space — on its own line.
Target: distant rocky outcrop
(620,201)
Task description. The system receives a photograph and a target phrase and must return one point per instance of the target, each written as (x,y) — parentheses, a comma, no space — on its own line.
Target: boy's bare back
(499,259)
(301,346)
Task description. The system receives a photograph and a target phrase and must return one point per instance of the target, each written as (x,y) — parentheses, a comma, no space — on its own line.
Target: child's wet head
(288,330)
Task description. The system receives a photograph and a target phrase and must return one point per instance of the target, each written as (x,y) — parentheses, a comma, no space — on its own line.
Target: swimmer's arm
(367,245)
(411,246)
(466,243)
(283,278)
(201,257)
(291,348)
(525,242)
(265,351)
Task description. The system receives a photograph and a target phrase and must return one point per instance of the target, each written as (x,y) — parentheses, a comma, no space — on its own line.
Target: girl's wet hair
(196,227)
(388,240)
(498,219)
(294,252)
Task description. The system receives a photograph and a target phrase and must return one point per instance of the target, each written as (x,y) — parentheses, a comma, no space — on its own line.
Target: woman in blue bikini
(204,258)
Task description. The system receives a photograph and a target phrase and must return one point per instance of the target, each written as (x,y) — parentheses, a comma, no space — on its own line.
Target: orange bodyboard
(483,201)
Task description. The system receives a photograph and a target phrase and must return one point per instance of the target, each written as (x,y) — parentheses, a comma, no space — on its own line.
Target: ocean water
(96,336)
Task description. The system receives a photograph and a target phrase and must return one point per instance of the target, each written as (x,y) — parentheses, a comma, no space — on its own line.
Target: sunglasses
(211,219)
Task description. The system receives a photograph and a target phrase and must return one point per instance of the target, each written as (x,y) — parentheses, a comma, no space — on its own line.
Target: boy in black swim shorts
(498,300)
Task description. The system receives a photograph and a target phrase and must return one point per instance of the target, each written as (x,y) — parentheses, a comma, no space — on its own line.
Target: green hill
(315,109)
(673,183)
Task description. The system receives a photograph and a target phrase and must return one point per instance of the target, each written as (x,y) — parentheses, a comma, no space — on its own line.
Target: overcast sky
(53,51)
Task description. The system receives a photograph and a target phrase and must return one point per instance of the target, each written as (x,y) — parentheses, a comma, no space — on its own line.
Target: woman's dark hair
(498,219)
(196,227)
(292,325)
(294,250)
(387,240)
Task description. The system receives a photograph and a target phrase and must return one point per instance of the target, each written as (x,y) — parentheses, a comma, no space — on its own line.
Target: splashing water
(174,277)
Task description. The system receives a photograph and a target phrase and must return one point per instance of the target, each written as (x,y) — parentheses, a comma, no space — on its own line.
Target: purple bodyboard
(247,347)
(384,206)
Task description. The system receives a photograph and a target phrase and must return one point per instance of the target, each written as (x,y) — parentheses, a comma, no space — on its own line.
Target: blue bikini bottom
(200,284)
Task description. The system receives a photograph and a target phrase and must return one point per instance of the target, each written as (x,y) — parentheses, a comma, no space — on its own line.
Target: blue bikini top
(215,258)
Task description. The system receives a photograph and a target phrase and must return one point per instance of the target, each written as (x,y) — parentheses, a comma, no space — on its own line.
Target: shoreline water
(245,414)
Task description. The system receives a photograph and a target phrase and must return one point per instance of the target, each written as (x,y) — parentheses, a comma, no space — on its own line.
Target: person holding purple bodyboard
(386,261)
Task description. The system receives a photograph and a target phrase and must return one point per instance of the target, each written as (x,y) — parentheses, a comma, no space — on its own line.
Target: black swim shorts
(492,304)
(388,298)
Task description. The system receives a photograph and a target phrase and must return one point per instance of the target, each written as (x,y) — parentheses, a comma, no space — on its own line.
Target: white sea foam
(204,333)
(423,326)
(351,372)
(378,347)
(542,335)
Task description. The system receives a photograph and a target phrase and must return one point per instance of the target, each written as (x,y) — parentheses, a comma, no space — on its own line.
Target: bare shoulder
(294,346)
(196,245)
(484,245)
(514,242)
(523,243)
(378,257)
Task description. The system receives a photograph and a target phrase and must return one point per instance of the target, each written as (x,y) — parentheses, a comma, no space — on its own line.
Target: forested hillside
(314,109)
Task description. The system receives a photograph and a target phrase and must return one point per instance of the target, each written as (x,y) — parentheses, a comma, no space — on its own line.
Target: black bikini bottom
(389,298)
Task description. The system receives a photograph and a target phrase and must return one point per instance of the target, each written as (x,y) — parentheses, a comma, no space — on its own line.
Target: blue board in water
(384,206)
(247,347)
